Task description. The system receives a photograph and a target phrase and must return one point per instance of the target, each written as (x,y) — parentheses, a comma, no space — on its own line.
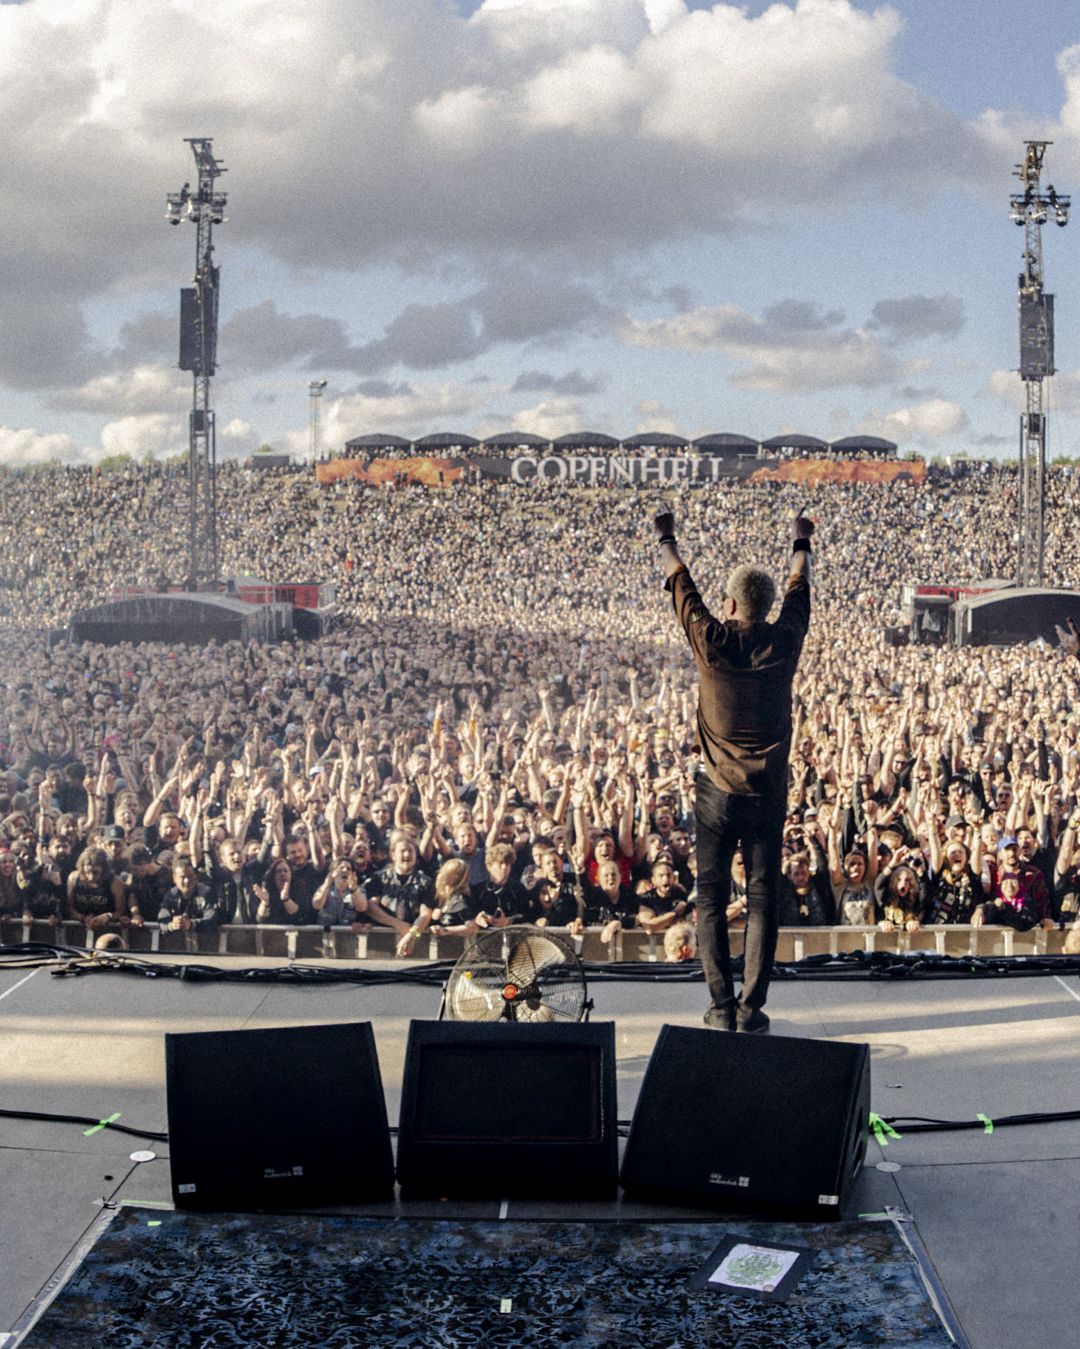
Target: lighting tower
(205,208)
(315,392)
(1031,209)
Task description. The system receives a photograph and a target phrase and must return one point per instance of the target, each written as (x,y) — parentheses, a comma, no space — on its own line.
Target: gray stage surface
(997,1211)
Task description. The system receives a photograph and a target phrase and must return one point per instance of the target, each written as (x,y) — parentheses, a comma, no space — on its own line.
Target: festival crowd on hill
(501,725)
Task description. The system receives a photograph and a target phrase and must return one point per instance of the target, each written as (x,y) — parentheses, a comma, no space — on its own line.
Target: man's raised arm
(802,531)
(664,524)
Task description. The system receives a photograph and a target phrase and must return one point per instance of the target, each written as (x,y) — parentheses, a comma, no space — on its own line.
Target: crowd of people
(864,455)
(501,725)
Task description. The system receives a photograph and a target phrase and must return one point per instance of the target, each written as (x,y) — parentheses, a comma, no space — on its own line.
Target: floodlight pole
(205,208)
(1031,209)
(315,393)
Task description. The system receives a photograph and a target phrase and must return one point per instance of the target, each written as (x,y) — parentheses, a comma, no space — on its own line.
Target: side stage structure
(1003,612)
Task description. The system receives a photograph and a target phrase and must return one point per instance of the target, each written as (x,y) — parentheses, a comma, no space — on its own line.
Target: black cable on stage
(852,965)
(66,961)
(910,1124)
(84,1119)
(431,975)
(919,1124)
(32,955)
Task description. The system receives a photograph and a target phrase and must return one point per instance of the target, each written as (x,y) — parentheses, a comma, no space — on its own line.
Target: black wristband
(801,546)
(666,538)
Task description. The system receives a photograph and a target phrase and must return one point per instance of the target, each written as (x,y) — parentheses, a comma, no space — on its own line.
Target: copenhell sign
(601,470)
(696,470)
(596,470)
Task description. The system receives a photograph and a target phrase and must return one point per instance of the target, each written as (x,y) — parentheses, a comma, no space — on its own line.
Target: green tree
(115,463)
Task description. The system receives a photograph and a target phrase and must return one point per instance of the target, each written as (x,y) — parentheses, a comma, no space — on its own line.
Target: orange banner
(377,472)
(810,472)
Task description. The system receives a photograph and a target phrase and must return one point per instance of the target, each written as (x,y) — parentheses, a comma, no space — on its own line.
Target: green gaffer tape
(882,1131)
(101,1125)
(988,1123)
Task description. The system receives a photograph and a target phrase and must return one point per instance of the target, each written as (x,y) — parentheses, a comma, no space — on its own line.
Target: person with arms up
(745,668)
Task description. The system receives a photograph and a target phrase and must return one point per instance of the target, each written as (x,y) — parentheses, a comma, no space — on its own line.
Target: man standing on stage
(745,668)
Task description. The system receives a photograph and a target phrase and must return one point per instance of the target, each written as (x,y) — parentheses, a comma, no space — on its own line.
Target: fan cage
(521,974)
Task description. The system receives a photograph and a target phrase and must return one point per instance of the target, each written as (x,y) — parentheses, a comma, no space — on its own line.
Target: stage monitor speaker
(509,1110)
(278,1118)
(749,1122)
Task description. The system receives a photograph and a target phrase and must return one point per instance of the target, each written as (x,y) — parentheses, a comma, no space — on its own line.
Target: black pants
(724,823)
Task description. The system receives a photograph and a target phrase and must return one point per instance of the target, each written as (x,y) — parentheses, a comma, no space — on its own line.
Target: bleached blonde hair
(753,591)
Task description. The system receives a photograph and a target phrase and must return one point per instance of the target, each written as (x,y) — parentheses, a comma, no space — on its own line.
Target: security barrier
(341,943)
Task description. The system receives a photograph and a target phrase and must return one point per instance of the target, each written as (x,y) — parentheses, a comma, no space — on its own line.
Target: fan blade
(529,956)
(540,969)
(469,1000)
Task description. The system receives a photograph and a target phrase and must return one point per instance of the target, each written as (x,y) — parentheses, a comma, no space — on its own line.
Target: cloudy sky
(618,215)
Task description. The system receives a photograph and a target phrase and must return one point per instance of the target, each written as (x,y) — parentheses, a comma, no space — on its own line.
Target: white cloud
(1007,385)
(1006,131)
(237,437)
(1068,64)
(588,92)
(1062,393)
(805,78)
(654,416)
(406,410)
(663,13)
(144,389)
(534,137)
(375,130)
(156,434)
(794,347)
(539,27)
(701,329)
(463,120)
(920,422)
(25,445)
(550,418)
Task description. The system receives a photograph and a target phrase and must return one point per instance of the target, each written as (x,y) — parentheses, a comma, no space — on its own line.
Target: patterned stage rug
(176,1280)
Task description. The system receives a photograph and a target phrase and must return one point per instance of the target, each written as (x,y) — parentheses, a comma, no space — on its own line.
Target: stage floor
(995,1210)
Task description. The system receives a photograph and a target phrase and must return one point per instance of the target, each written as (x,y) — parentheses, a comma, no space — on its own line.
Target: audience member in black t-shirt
(554,900)
(500,899)
(402,889)
(188,905)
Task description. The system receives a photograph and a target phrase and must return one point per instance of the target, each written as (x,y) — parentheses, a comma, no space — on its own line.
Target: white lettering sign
(598,470)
